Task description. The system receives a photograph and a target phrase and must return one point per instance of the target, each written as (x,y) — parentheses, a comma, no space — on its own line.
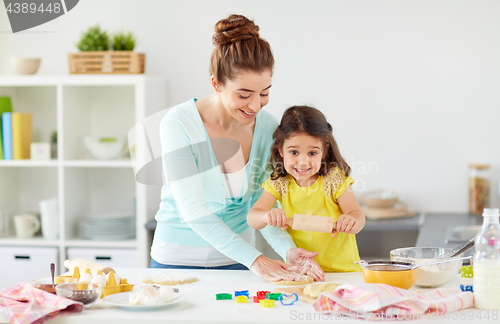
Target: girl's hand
(302,261)
(345,224)
(272,270)
(276,217)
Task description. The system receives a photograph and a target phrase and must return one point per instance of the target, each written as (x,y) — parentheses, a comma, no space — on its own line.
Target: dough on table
(165,278)
(304,281)
(316,290)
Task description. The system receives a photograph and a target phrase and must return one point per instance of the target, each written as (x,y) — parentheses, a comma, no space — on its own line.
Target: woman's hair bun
(234,28)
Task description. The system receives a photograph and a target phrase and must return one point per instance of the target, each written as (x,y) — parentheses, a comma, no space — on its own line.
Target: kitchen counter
(200,306)
(393,224)
(433,232)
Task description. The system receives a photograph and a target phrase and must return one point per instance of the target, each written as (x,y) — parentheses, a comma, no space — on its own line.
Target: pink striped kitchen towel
(384,302)
(23,304)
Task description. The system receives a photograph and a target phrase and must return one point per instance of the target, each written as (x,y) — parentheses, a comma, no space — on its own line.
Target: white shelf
(108,244)
(35,241)
(28,163)
(98,164)
(68,163)
(78,106)
(75,80)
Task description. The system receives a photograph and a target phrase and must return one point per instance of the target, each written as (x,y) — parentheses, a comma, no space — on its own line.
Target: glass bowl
(429,276)
(85,293)
(397,274)
(46,283)
(105,148)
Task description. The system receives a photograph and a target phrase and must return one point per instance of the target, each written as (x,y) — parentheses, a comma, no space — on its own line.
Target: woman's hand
(272,270)
(346,224)
(302,261)
(276,217)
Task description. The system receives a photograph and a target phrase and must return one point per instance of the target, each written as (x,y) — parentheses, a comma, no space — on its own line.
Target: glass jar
(479,188)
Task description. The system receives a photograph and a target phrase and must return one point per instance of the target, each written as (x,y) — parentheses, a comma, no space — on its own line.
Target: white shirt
(204,256)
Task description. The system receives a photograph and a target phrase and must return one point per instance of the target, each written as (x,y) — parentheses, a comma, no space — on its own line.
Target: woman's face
(245,96)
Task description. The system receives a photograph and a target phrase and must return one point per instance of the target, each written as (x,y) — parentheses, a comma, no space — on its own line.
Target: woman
(215,152)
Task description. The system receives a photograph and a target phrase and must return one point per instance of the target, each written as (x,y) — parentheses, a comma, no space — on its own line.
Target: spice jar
(479,188)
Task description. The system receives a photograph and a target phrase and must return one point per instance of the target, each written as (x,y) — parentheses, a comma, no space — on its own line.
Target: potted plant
(53,145)
(94,39)
(96,56)
(123,41)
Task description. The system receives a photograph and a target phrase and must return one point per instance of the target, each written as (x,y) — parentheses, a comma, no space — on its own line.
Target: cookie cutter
(223,296)
(467,272)
(466,288)
(260,295)
(266,303)
(274,296)
(291,295)
(241,293)
(241,299)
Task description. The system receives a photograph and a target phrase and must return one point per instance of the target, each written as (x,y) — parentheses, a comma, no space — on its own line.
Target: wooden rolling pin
(83,264)
(311,223)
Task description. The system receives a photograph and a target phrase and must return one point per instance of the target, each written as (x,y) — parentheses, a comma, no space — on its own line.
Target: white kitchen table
(201,306)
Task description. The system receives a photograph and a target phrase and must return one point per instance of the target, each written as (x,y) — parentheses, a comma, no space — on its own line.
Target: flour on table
(165,278)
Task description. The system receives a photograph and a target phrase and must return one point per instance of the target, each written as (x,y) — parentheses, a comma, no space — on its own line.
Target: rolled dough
(169,279)
(316,290)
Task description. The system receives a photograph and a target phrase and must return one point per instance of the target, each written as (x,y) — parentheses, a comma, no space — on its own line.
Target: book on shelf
(5,106)
(7,135)
(21,135)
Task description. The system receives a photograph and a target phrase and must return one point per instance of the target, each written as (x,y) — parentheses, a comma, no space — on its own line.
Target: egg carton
(111,286)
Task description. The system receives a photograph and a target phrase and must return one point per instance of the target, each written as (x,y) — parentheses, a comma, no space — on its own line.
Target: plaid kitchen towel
(22,304)
(382,302)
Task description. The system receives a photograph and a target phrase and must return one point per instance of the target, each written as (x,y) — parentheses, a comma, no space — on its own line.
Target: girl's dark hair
(238,48)
(311,121)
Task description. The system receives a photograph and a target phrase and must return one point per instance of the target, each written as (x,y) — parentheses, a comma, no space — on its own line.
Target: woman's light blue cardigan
(194,210)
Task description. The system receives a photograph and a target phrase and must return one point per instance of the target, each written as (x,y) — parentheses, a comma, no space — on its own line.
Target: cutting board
(296,290)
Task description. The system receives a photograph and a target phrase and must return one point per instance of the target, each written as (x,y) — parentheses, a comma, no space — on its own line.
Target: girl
(311,177)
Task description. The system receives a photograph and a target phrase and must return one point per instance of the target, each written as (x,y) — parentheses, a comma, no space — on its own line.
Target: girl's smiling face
(245,96)
(302,156)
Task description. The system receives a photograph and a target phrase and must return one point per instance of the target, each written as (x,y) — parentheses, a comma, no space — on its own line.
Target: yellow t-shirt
(336,254)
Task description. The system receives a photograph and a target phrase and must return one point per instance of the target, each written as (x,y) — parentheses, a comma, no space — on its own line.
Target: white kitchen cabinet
(77,106)
(19,264)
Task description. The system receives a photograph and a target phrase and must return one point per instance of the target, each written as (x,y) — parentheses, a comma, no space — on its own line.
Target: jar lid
(479,166)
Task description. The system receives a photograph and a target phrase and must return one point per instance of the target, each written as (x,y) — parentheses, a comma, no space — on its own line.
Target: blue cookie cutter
(241,293)
(291,303)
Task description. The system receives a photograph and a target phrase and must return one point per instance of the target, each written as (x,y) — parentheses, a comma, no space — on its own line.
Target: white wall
(411,87)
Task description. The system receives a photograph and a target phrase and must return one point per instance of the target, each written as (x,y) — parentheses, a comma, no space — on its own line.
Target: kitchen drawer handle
(103,258)
(25,257)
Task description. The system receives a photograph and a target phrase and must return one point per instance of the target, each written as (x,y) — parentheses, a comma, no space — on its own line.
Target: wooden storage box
(106,62)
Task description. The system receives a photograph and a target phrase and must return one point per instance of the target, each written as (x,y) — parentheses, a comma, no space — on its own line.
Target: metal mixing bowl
(429,276)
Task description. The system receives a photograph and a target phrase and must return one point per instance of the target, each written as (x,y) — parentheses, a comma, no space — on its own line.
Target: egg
(149,291)
(166,293)
(149,301)
(135,298)
(99,279)
(87,277)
